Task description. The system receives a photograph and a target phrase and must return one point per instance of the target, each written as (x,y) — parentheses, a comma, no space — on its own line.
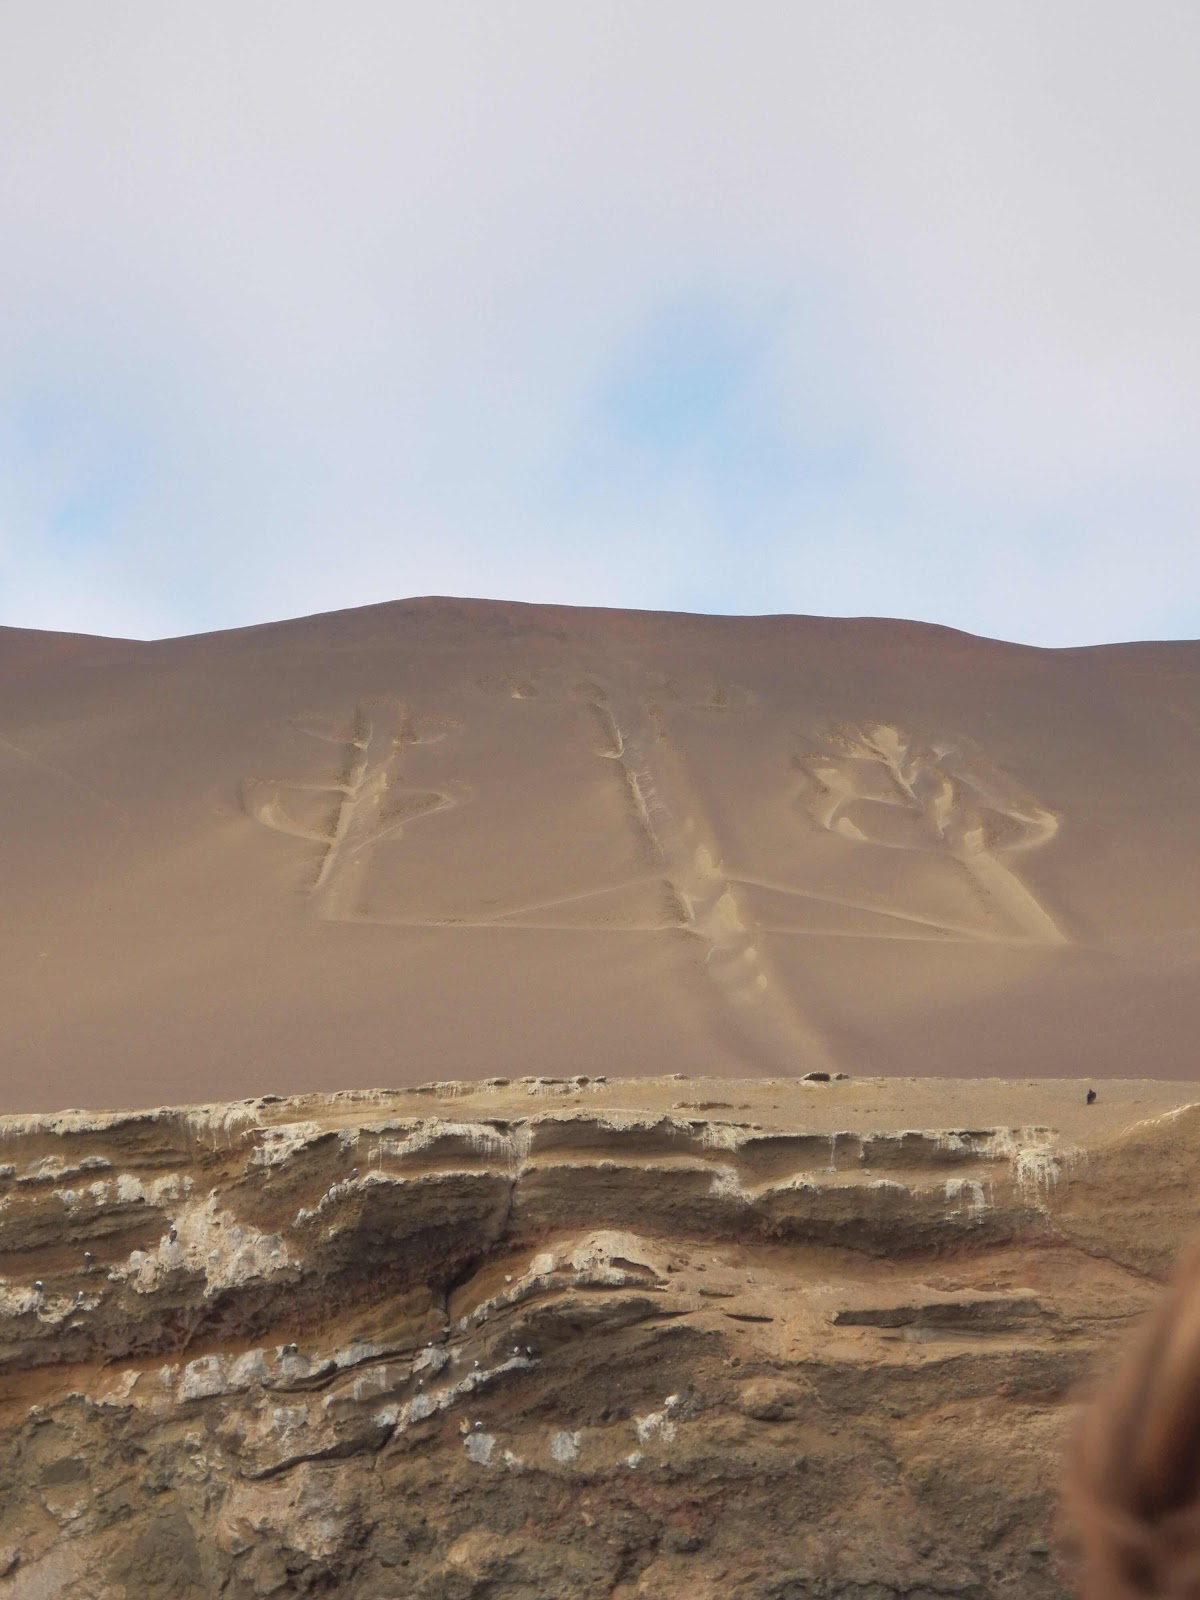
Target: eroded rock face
(549,1340)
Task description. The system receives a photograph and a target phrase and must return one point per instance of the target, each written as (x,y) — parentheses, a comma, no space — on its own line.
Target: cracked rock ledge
(551,1338)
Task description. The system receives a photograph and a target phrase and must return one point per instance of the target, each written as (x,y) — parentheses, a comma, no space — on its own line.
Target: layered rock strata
(560,1338)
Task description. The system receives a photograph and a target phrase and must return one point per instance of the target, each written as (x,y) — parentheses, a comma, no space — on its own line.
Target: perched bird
(420,1383)
(354,1172)
(290,1349)
(38,1286)
(88,1258)
(79,1297)
(1091,1097)
(477,1427)
(529,1351)
(516,1349)
(172,1233)
(476,1365)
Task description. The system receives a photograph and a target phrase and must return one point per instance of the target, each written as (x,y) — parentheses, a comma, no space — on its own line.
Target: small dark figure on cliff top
(1091,1097)
(88,1258)
(172,1233)
(354,1172)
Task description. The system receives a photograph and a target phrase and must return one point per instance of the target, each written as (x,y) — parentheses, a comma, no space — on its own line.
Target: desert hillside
(448,838)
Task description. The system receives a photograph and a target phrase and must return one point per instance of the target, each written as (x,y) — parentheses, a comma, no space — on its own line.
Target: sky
(850,308)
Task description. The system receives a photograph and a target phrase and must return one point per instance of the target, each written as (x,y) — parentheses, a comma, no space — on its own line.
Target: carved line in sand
(686,857)
(962,808)
(632,727)
(952,806)
(949,805)
(682,848)
(371,803)
(672,819)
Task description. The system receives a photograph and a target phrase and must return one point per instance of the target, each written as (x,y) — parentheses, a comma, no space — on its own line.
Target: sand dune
(454,839)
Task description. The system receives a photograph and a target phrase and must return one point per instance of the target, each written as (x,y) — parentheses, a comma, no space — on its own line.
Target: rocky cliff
(558,1338)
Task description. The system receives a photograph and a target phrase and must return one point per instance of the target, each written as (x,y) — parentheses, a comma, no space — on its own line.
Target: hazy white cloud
(848,308)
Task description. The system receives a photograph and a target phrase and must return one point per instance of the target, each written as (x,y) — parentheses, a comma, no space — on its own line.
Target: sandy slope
(441,839)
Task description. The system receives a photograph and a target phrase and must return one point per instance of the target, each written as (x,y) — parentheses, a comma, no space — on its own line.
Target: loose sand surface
(461,839)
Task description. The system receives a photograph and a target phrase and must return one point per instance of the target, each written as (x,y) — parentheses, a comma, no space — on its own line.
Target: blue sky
(848,309)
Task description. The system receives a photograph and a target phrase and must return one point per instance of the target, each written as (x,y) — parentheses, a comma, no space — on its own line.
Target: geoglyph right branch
(948,805)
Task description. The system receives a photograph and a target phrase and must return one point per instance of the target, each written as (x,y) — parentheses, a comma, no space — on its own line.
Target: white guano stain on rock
(1036,1161)
(431,1359)
(53,1169)
(211,1243)
(480,1448)
(480,1138)
(657,1425)
(726,1184)
(719,1136)
(954,1143)
(128,1189)
(564,1446)
(970,1195)
(19,1302)
(249,1368)
(204,1377)
(606,1258)
(422,1406)
(121,1394)
(279,1144)
(358,1351)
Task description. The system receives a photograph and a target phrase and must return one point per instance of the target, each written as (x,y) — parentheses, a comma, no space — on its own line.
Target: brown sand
(454,839)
